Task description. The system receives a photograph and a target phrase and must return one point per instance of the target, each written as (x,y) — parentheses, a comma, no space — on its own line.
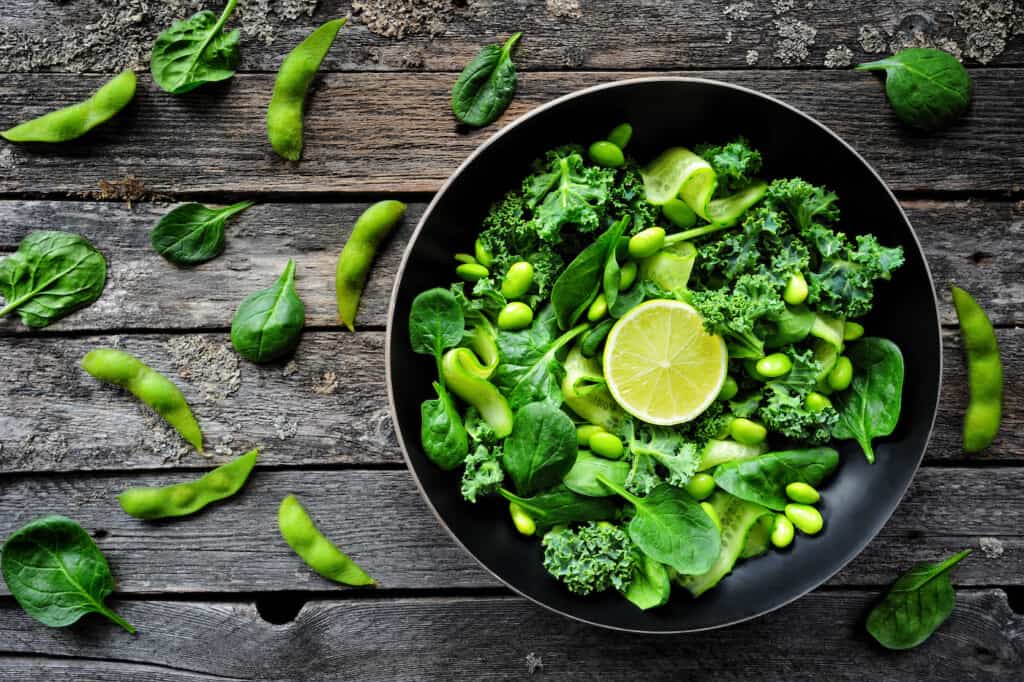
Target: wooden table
(219,595)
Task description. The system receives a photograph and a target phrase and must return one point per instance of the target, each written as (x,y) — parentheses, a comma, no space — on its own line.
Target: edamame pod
(187,498)
(371,228)
(984,373)
(284,115)
(460,373)
(78,119)
(149,386)
(319,553)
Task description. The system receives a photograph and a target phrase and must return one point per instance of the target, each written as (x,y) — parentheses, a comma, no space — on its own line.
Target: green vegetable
(782,531)
(774,365)
(646,242)
(188,498)
(486,86)
(852,331)
(591,342)
(627,275)
(729,389)
(763,479)
(319,553)
(518,280)
(149,386)
(76,120)
(287,104)
(734,314)
(735,164)
(560,506)
(871,406)
(463,374)
(700,486)
(916,605)
(665,447)
(594,558)
(465,258)
(650,586)
(584,432)
(193,233)
(798,491)
(582,477)
(927,88)
(267,324)
(606,445)
(712,514)
(578,285)
(620,135)
(482,475)
(784,409)
(816,402)
(805,517)
(483,254)
(790,325)
(541,448)
(51,275)
(523,522)
(984,373)
(597,309)
(442,433)
(57,573)
(841,375)
(759,539)
(747,432)
(565,192)
(471,272)
(371,228)
(195,51)
(679,214)
(607,154)
(515,316)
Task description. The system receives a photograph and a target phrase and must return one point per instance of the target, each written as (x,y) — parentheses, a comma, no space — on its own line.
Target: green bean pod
(461,372)
(319,553)
(78,119)
(284,115)
(371,228)
(149,386)
(984,373)
(187,498)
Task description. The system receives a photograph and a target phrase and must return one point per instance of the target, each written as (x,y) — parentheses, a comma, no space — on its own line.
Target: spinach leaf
(916,605)
(193,233)
(541,448)
(436,322)
(650,586)
(57,573)
(577,286)
(195,51)
(561,505)
(870,407)
(442,432)
(51,275)
(486,86)
(763,479)
(582,477)
(530,370)
(669,526)
(268,323)
(927,88)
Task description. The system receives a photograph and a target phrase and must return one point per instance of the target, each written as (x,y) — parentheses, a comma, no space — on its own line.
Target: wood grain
(393,132)
(477,639)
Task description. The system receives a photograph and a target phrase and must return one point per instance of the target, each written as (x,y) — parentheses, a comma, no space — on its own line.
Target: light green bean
(514,316)
(782,531)
(319,553)
(606,154)
(796,289)
(606,444)
(371,228)
(798,491)
(78,119)
(518,280)
(806,518)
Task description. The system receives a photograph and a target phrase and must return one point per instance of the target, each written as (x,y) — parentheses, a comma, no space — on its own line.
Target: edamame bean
(700,486)
(627,275)
(747,432)
(729,389)
(471,272)
(646,242)
(774,365)
(798,491)
(852,331)
(679,213)
(591,341)
(620,135)
(597,309)
(606,154)
(806,518)
(371,228)
(606,444)
(712,513)
(984,373)
(483,255)
(187,498)
(796,289)
(584,432)
(841,375)
(517,280)
(78,119)
(750,365)
(515,315)
(284,115)
(782,531)
(523,522)
(319,553)
(816,402)
(149,386)
(464,258)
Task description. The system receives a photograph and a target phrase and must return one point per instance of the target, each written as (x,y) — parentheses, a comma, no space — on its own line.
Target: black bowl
(666,112)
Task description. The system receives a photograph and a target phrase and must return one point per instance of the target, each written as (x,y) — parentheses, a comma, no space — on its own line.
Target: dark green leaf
(436,322)
(763,479)
(268,324)
(927,88)
(650,586)
(487,84)
(193,233)
(195,51)
(57,573)
(916,605)
(870,407)
(442,433)
(577,286)
(582,477)
(541,448)
(560,505)
(51,275)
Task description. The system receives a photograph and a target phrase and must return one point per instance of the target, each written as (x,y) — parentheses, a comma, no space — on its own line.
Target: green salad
(649,363)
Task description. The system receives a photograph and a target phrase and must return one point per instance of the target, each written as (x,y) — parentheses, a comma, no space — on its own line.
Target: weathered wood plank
(81,36)
(977,244)
(461,638)
(394,132)
(378,518)
(329,406)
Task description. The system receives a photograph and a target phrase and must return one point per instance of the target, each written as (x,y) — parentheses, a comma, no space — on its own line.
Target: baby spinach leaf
(650,586)
(582,477)
(436,322)
(442,432)
(51,275)
(577,286)
(916,605)
(57,573)
(763,479)
(870,407)
(486,86)
(541,448)
(561,505)
(195,51)
(268,324)
(192,233)
(927,88)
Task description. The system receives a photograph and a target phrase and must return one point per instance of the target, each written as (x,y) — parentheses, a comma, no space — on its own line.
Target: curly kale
(565,191)
(808,204)
(627,198)
(735,163)
(483,473)
(733,312)
(761,237)
(784,409)
(594,558)
(708,425)
(844,283)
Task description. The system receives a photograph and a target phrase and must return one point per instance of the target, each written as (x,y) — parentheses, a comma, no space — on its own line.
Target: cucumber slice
(738,517)
(670,268)
(826,354)
(718,451)
(726,211)
(829,329)
(584,396)
(759,539)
